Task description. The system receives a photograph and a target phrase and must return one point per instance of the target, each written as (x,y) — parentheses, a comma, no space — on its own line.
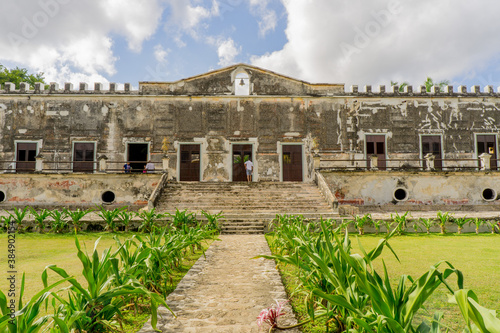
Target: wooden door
(432,144)
(375,145)
(25,157)
(190,163)
(292,163)
(83,157)
(486,143)
(241,154)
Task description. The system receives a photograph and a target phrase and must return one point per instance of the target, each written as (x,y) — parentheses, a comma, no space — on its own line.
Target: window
(25,156)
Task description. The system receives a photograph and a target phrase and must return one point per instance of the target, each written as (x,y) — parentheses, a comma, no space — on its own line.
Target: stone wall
(326,120)
(372,191)
(80,190)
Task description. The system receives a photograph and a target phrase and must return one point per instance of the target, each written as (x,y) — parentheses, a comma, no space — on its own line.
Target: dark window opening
(108,197)
(431,144)
(138,156)
(2,196)
(25,157)
(83,157)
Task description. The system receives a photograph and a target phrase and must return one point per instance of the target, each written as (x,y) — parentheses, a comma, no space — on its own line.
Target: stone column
(429,161)
(103,165)
(39,163)
(485,161)
(374,162)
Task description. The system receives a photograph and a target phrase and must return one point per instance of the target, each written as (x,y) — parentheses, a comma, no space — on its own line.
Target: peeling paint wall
(79,189)
(424,190)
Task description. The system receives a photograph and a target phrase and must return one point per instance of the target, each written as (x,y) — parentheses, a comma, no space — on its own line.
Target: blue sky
(352,42)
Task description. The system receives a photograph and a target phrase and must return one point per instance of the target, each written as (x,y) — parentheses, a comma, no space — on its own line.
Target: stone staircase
(246,206)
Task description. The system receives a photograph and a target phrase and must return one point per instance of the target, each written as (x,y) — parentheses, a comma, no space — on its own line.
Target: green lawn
(477,256)
(35,251)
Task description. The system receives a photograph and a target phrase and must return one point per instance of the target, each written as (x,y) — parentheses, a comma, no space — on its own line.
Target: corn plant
(388,225)
(427,223)
(76,217)
(478,318)
(97,306)
(26,318)
(183,217)
(125,218)
(213,220)
(4,223)
(443,218)
(40,218)
(149,218)
(59,221)
(18,216)
(110,217)
(492,224)
(477,223)
(400,221)
(460,222)
(377,224)
(361,221)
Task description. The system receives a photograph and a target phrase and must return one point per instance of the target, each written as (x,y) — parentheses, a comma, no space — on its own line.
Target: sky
(355,42)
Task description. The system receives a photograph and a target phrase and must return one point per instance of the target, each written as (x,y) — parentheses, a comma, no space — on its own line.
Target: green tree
(18,75)
(429,83)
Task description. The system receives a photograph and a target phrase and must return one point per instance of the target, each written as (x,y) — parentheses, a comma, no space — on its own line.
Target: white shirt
(249,165)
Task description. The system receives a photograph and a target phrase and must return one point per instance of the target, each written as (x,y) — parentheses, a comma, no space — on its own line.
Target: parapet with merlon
(54,89)
(408,90)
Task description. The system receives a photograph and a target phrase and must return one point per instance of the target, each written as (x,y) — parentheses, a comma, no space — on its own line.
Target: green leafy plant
(478,318)
(97,306)
(76,217)
(126,217)
(460,222)
(40,218)
(492,224)
(427,223)
(27,317)
(183,217)
(443,218)
(400,221)
(18,216)
(110,217)
(377,224)
(149,218)
(477,222)
(361,221)
(59,221)
(213,220)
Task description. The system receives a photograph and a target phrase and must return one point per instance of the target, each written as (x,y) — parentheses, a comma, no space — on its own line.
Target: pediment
(232,80)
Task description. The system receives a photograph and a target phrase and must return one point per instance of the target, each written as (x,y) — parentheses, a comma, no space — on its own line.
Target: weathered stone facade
(246,106)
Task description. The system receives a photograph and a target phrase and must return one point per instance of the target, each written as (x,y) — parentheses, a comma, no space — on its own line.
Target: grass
(35,251)
(477,256)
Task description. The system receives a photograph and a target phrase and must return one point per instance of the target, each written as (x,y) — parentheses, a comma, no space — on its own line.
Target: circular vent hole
(108,197)
(2,196)
(489,194)
(400,194)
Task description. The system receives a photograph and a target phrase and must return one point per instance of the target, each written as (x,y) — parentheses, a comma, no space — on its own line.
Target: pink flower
(270,315)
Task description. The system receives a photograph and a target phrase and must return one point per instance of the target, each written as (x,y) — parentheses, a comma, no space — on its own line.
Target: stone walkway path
(225,292)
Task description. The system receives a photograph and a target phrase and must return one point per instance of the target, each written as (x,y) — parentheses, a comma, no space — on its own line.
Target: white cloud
(227,51)
(70,39)
(186,17)
(160,53)
(268,18)
(360,42)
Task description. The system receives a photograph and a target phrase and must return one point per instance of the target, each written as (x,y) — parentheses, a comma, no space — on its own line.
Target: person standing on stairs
(249,169)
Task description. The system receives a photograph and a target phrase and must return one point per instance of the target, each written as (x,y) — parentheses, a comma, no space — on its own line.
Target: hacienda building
(371,147)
